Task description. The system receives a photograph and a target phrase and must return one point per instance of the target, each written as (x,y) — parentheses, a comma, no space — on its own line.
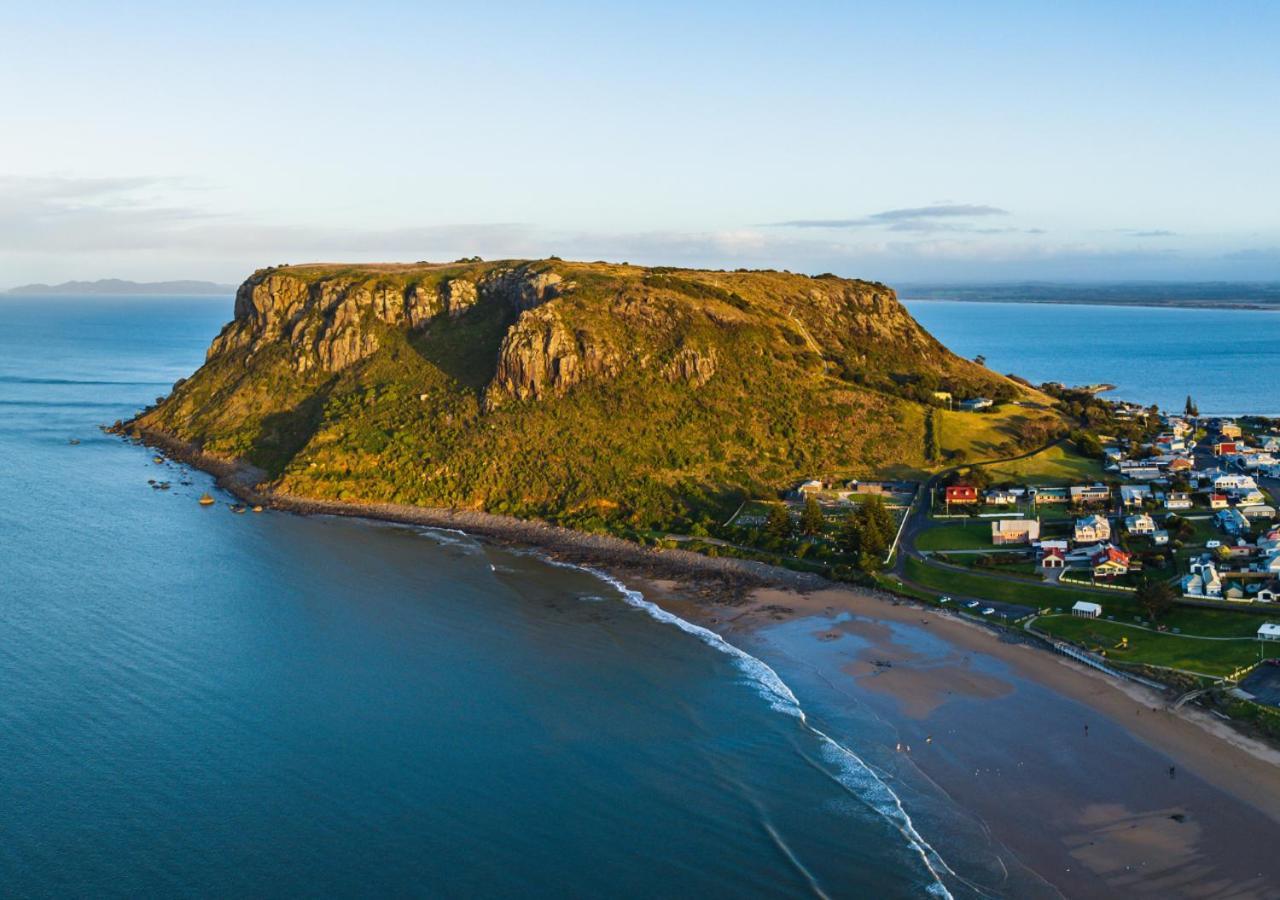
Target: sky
(904,141)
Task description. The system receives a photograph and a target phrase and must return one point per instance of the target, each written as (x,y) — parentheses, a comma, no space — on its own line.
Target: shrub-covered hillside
(591,394)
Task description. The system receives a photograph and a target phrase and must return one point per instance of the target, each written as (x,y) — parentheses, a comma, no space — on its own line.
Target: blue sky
(898,141)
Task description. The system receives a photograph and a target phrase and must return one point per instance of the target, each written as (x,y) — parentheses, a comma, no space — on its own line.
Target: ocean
(203,703)
(1223,358)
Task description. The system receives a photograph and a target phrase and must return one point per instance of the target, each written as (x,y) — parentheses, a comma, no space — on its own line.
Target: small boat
(206,500)
(157,459)
(238,509)
(257,509)
(74,441)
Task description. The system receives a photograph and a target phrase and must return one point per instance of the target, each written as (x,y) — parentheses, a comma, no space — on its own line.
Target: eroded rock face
(694,366)
(331,323)
(541,357)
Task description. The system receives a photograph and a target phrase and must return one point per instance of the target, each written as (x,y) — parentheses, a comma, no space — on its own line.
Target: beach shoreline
(744,601)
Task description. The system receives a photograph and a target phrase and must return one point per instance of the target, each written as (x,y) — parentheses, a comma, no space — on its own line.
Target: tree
(778,524)
(811,520)
(1155,597)
(931,436)
(1191,409)
(980,359)
(871,529)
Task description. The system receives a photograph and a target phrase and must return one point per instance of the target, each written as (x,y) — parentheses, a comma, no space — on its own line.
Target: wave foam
(855,775)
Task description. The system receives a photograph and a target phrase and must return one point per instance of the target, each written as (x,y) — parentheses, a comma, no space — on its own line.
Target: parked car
(971,603)
(1213,545)
(944,599)
(989,610)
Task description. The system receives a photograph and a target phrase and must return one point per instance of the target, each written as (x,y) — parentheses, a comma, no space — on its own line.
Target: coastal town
(1155,556)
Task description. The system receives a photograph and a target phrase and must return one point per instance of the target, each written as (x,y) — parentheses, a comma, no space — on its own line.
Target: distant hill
(591,394)
(119,286)
(1189,294)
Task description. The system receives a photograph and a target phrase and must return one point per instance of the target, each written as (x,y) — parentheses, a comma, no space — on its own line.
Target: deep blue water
(202,703)
(1226,359)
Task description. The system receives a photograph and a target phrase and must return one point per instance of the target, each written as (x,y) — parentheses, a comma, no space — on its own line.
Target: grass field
(989,435)
(1188,619)
(969,536)
(1209,657)
(1057,465)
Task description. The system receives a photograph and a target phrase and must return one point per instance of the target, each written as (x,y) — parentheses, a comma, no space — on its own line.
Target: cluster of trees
(867,534)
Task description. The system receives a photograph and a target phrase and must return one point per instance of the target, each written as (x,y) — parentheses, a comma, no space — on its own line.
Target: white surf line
(783,700)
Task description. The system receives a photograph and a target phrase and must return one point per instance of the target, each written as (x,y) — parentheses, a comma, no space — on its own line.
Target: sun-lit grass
(1056,465)
(1210,657)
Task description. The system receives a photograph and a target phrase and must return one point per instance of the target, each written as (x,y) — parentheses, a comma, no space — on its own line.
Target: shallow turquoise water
(197,702)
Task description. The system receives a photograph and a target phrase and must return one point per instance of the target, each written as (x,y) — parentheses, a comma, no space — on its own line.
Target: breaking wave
(854,775)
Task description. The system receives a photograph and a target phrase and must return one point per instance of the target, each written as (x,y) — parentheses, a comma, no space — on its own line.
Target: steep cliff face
(330,323)
(550,387)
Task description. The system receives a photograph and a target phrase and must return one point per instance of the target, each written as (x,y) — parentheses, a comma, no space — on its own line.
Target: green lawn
(1191,620)
(967,536)
(1055,466)
(1157,649)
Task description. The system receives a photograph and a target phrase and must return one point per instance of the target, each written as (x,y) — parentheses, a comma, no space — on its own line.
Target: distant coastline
(117,287)
(1170,295)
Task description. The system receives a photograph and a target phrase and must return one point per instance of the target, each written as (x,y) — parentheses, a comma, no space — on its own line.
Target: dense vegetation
(602,396)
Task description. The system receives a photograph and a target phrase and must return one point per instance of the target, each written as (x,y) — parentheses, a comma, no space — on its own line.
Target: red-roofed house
(1226,448)
(1110,561)
(962,493)
(1053,558)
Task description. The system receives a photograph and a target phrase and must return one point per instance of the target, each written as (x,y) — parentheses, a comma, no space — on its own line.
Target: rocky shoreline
(723,580)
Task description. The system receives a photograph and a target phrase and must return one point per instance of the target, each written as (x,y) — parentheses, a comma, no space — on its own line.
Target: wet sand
(1068,768)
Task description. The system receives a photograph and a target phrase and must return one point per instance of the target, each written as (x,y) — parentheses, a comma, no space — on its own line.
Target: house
(1134,494)
(1232,521)
(1231,481)
(1089,493)
(810,488)
(975,403)
(1110,561)
(1202,584)
(1142,473)
(1000,497)
(1230,430)
(1258,511)
(1181,464)
(1226,448)
(1053,558)
(1160,537)
(1269,631)
(1092,528)
(1218,501)
(1048,495)
(1086,610)
(1140,524)
(1177,500)
(962,493)
(1234,593)
(1015,531)
(1253,497)
(1269,592)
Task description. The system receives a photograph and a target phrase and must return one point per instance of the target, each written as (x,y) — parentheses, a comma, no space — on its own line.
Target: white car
(1213,545)
(971,603)
(989,610)
(944,599)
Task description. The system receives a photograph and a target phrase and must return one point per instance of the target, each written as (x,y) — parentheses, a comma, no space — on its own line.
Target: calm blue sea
(200,703)
(1226,359)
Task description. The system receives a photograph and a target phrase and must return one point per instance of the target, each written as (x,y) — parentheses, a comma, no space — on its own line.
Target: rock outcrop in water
(565,390)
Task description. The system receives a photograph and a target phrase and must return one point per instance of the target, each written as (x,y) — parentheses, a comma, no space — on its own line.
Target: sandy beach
(1068,768)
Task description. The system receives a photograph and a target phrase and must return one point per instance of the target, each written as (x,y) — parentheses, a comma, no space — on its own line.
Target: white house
(1086,610)
(1269,631)
(1177,501)
(1092,528)
(1140,524)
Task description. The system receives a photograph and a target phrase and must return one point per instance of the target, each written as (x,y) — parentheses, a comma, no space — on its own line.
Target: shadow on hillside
(281,435)
(465,348)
